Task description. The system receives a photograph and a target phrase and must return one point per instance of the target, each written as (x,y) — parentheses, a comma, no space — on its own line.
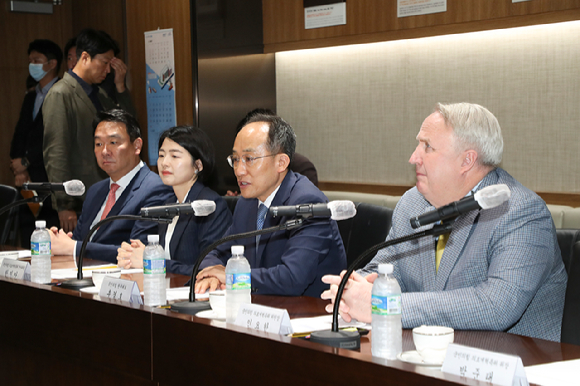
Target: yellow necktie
(440,248)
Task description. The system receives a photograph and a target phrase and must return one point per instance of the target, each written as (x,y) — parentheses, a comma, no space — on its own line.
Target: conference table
(55,336)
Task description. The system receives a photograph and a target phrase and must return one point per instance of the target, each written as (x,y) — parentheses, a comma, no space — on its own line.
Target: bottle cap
(237,249)
(385,268)
(153,238)
(40,224)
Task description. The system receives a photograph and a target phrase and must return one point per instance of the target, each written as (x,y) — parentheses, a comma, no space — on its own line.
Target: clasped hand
(211,278)
(356,297)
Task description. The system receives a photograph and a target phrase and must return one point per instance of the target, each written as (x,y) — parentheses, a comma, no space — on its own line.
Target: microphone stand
(36,199)
(192,307)
(351,339)
(79,282)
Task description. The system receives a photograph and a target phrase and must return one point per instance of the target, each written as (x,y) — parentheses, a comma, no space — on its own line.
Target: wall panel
(148,15)
(357,109)
(376,20)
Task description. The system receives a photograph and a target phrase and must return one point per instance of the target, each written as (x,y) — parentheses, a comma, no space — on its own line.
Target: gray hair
(476,127)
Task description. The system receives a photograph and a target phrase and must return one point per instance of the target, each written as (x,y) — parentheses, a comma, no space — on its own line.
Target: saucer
(414,358)
(90,290)
(209,314)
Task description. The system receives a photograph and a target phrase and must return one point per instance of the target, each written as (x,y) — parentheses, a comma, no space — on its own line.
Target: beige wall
(357,109)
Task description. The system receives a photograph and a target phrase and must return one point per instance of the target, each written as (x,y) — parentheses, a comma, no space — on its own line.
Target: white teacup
(99,275)
(217,302)
(431,342)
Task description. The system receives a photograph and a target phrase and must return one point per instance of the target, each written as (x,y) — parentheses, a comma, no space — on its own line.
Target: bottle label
(238,281)
(40,248)
(154,266)
(386,305)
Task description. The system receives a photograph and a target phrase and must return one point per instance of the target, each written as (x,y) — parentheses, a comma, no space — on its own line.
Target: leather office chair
(370,226)
(9,220)
(566,240)
(570,330)
(231,201)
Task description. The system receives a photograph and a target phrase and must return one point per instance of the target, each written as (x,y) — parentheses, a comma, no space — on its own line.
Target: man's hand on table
(356,297)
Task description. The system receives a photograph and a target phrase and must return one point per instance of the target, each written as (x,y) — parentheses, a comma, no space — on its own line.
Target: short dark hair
(72,42)
(249,115)
(119,116)
(47,48)
(281,136)
(197,143)
(95,42)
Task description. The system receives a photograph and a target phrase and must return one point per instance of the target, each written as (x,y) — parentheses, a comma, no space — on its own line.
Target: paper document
(554,374)
(320,323)
(71,273)
(182,293)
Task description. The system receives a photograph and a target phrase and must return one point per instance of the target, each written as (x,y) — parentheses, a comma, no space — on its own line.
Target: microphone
(486,198)
(198,207)
(336,210)
(72,187)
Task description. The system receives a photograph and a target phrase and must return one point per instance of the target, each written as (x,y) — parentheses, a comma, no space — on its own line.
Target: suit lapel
(183,222)
(130,191)
(93,210)
(79,92)
(281,198)
(458,238)
(455,244)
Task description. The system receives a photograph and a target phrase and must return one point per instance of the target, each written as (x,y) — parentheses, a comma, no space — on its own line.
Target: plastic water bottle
(238,283)
(40,254)
(154,286)
(387,331)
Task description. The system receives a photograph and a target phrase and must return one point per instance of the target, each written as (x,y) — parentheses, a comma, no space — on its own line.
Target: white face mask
(36,71)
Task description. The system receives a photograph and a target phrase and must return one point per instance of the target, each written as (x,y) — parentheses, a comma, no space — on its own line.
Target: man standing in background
(69,110)
(27,163)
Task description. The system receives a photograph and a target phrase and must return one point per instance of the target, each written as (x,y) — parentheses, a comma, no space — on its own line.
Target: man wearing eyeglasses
(289,262)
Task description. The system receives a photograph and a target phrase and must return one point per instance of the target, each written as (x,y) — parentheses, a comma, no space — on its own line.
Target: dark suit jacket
(144,190)
(27,139)
(287,262)
(301,164)
(193,234)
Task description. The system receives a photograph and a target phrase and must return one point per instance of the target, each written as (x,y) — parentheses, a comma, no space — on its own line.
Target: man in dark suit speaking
(285,262)
(131,186)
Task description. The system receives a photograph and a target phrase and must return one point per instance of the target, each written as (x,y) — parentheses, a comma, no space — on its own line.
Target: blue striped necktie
(262,211)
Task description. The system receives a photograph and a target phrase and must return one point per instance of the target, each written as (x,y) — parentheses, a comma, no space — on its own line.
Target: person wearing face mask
(27,163)
(69,110)
(186,159)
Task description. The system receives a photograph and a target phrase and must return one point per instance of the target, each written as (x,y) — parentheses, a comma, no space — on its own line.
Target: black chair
(571,318)
(8,220)
(231,201)
(566,240)
(369,227)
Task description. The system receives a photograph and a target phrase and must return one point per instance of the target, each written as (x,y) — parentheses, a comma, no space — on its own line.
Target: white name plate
(120,289)
(262,318)
(10,255)
(14,269)
(486,366)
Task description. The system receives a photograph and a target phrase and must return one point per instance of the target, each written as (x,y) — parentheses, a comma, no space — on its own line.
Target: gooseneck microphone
(198,207)
(191,306)
(351,339)
(486,198)
(72,187)
(336,210)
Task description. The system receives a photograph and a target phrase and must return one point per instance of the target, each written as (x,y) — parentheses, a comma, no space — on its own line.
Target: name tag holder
(120,289)
(262,318)
(483,365)
(14,269)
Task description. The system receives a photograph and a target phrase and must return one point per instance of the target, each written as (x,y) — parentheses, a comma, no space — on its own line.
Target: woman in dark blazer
(186,159)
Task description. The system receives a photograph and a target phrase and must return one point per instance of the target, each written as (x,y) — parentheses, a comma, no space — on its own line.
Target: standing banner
(160,87)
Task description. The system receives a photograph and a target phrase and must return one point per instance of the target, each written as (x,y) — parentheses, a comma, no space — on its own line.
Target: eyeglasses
(234,160)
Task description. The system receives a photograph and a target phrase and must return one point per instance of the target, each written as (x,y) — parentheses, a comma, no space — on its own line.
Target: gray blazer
(68,136)
(501,269)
